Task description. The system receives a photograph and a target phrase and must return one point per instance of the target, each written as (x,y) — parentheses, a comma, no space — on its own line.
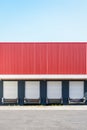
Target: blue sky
(43,20)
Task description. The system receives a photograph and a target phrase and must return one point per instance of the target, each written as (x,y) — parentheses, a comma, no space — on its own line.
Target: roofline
(29,42)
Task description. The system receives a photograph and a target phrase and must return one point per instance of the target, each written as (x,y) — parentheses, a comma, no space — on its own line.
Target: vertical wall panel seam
(47,57)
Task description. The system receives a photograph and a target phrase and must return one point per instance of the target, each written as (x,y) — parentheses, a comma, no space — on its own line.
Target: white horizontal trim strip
(46,76)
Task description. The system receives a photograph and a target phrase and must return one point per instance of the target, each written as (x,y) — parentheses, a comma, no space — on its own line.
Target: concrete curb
(43,107)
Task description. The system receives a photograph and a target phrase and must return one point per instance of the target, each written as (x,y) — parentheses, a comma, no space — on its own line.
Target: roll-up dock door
(32,92)
(76,91)
(10,92)
(54,92)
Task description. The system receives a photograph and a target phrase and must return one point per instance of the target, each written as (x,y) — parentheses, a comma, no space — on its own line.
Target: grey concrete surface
(43,120)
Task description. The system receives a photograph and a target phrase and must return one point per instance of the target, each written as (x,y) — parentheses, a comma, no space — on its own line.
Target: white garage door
(76,89)
(10,89)
(32,89)
(54,89)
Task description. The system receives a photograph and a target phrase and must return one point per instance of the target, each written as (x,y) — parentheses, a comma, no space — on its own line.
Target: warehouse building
(43,73)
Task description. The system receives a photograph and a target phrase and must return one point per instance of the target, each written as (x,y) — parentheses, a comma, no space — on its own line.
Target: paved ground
(42,119)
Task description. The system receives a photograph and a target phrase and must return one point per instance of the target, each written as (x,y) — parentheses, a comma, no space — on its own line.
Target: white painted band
(44,77)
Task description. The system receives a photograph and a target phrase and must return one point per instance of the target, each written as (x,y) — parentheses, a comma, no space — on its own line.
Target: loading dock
(48,92)
(32,92)
(10,92)
(76,92)
(54,92)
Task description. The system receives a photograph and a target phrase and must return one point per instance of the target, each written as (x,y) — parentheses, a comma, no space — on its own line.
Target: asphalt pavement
(46,119)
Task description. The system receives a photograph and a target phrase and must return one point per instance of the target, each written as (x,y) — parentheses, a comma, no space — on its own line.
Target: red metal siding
(67,58)
(28,59)
(40,58)
(43,58)
(72,59)
(53,58)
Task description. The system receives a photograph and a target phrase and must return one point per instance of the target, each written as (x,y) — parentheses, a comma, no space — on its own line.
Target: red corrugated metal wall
(72,59)
(43,58)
